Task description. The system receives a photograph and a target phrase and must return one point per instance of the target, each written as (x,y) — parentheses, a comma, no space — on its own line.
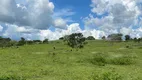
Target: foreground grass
(98,60)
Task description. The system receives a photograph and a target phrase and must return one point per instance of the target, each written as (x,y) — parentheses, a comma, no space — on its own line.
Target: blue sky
(52,19)
(81,9)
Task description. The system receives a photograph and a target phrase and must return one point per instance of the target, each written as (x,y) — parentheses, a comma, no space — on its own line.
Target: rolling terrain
(98,60)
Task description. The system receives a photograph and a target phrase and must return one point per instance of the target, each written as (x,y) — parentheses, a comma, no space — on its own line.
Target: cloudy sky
(52,19)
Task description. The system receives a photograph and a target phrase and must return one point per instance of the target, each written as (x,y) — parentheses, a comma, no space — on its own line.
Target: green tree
(5,42)
(127,37)
(90,38)
(37,41)
(103,38)
(61,38)
(135,39)
(115,37)
(45,41)
(21,42)
(75,40)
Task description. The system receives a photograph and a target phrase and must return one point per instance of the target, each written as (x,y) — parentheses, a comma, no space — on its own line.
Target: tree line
(75,40)
(7,42)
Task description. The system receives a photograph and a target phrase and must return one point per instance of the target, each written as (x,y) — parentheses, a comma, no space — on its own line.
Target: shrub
(102,59)
(123,60)
(99,59)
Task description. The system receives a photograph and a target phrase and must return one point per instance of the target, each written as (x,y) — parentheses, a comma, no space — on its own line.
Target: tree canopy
(75,40)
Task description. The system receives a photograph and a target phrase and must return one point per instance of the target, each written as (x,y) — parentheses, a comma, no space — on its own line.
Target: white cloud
(126,31)
(1,28)
(37,14)
(64,12)
(72,28)
(60,23)
(116,16)
(15,32)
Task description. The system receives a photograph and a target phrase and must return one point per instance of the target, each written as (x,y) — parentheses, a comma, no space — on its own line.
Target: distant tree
(127,37)
(13,43)
(5,42)
(62,38)
(139,40)
(103,38)
(22,42)
(75,40)
(115,37)
(135,39)
(90,38)
(37,41)
(30,42)
(45,41)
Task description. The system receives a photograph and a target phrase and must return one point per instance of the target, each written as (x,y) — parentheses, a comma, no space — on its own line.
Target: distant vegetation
(7,42)
(75,40)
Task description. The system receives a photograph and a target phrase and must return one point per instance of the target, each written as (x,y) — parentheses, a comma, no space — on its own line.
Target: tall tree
(127,37)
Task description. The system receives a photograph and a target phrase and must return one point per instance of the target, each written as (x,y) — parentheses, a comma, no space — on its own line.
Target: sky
(52,19)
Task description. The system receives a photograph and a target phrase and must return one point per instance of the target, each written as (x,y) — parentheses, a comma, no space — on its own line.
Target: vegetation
(96,61)
(75,40)
(90,38)
(54,60)
(127,37)
(103,38)
(108,76)
(115,37)
(45,41)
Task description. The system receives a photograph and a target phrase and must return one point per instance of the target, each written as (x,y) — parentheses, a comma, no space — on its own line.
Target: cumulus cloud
(15,32)
(60,23)
(33,19)
(115,15)
(37,14)
(72,28)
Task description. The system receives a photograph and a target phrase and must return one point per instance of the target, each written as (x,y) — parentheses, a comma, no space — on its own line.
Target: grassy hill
(98,60)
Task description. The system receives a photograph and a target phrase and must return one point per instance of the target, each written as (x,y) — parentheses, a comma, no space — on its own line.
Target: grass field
(98,60)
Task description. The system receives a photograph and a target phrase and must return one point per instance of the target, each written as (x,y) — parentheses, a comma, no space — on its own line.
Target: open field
(98,60)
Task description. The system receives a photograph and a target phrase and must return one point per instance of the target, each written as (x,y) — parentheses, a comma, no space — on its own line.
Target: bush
(102,59)
(123,60)
(99,59)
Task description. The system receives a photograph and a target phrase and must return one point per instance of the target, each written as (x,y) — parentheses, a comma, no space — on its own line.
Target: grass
(102,59)
(12,77)
(98,60)
(111,75)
